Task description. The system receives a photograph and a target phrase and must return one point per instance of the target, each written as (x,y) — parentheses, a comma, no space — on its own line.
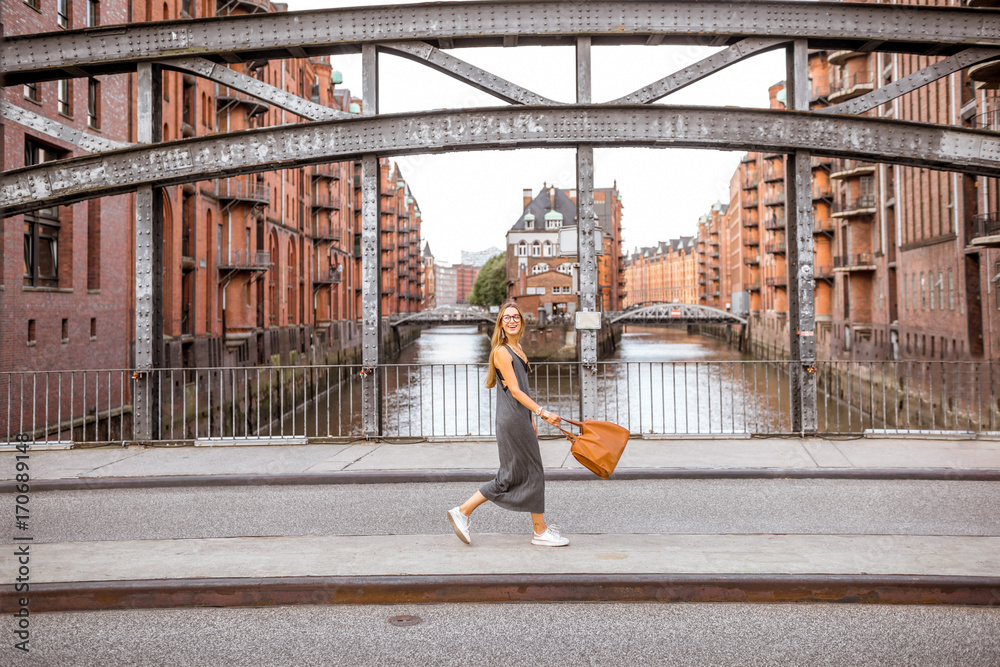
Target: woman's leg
(472,503)
(538,520)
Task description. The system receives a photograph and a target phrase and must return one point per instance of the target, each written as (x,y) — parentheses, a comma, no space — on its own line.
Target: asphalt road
(507,635)
(641,506)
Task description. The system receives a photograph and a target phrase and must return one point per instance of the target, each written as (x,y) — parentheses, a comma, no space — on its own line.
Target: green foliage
(490,288)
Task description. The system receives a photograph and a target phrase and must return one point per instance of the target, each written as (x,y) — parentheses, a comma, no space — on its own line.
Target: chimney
(527,197)
(552,198)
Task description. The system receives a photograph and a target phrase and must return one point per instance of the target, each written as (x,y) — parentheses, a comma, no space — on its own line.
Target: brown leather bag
(599,446)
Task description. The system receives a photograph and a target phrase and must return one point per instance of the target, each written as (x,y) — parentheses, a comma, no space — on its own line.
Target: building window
(32,93)
(94,104)
(923,291)
(93,328)
(62,13)
(34,4)
(94,244)
(31,332)
(64,333)
(541,267)
(65,94)
(521,250)
(931,286)
(93,13)
(547,250)
(940,286)
(565,267)
(536,250)
(41,229)
(951,290)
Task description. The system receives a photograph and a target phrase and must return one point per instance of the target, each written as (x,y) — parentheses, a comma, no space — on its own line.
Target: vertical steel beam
(586,248)
(799,241)
(148,264)
(371,270)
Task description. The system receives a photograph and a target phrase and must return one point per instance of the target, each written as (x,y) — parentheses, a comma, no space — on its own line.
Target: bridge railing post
(148,265)
(799,236)
(371,279)
(586,247)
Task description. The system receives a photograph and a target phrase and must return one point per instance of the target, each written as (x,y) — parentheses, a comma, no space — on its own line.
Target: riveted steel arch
(676,313)
(190,160)
(826,25)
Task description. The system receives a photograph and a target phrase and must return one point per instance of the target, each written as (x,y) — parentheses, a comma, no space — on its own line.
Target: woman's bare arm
(505,362)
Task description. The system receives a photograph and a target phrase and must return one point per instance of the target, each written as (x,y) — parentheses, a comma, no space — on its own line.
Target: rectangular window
(923,292)
(93,13)
(32,93)
(94,104)
(65,330)
(62,13)
(940,286)
(93,328)
(65,94)
(31,332)
(931,285)
(951,290)
(41,229)
(34,4)
(94,244)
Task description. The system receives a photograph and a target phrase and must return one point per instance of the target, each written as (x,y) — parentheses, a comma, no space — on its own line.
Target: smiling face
(510,319)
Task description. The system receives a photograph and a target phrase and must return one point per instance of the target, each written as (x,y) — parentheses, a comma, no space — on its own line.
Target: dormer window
(553,220)
(529,221)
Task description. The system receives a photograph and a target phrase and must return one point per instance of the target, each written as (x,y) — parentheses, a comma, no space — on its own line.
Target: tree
(490,288)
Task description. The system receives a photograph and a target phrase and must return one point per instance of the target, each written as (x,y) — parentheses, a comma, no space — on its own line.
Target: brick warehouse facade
(906,260)
(258,269)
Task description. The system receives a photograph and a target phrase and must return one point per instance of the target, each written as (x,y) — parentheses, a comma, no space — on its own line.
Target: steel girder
(195,159)
(826,25)
(675,313)
(444,315)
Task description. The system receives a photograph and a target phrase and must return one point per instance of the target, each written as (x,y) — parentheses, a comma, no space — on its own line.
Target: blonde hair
(499,339)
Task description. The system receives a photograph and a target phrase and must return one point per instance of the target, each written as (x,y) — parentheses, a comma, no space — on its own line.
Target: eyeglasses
(511,318)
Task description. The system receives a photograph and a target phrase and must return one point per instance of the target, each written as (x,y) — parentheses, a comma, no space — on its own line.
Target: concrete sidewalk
(315,569)
(108,467)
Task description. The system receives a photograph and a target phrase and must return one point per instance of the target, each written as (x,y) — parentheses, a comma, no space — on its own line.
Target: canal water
(659,381)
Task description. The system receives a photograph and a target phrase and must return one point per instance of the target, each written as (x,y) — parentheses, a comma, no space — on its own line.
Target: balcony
(777,281)
(751,241)
(986,75)
(776,197)
(986,229)
(751,260)
(823,272)
(325,201)
(752,286)
(327,277)
(230,99)
(330,171)
(822,191)
(842,56)
(749,201)
(240,260)
(860,205)
(775,247)
(749,218)
(988,121)
(750,182)
(850,86)
(820,92)
(232,190)
(748,158)
(775,223)
(863,261)
(823,226)
(328,235)
(774,171)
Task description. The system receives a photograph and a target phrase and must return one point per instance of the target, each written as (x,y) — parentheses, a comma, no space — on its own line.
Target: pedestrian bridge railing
(653,399)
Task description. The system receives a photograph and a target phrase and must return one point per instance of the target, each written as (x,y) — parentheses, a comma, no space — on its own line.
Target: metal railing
(317,403)
(240,259)
(986,224)
(859,203)
(857,260)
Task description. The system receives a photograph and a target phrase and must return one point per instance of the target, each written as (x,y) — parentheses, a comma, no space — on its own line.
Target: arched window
(536,249)
(566,267)
(547,249)
(522,249)
(541,267)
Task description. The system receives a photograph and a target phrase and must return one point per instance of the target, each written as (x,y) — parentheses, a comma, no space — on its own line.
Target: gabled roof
(542,204)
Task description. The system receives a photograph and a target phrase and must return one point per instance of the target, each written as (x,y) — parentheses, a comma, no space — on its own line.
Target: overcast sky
(469,200)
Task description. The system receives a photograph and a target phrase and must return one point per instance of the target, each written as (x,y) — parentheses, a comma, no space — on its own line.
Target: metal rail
(653,399)
(826,25)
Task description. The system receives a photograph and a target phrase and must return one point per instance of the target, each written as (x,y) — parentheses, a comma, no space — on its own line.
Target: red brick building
(539,276)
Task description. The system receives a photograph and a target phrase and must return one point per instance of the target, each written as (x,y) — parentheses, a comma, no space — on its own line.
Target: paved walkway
(436,461)
(438,568)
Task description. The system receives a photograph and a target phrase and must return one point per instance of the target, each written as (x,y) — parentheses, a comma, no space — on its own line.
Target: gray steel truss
(674,313)
(826,25)
(586,216)
(445,315)
(89,142)
(255,88)
(435,58)
(656,126)
(703,68)
(371,256)
(799,237)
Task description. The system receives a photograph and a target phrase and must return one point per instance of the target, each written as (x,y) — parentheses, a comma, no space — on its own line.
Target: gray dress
(520,483)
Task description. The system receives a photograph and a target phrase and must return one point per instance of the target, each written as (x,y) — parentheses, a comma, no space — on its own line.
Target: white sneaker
(550,538)
(460,523)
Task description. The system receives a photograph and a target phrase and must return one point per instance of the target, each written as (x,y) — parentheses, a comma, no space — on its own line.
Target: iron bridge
(674,313)
(445,315)
(432,34)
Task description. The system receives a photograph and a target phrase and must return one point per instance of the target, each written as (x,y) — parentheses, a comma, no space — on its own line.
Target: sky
(469,200)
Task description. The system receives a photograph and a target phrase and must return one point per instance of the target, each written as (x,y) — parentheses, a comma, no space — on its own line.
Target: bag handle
(569,435)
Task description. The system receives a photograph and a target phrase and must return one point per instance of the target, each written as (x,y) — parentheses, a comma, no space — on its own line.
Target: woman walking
(520,483)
